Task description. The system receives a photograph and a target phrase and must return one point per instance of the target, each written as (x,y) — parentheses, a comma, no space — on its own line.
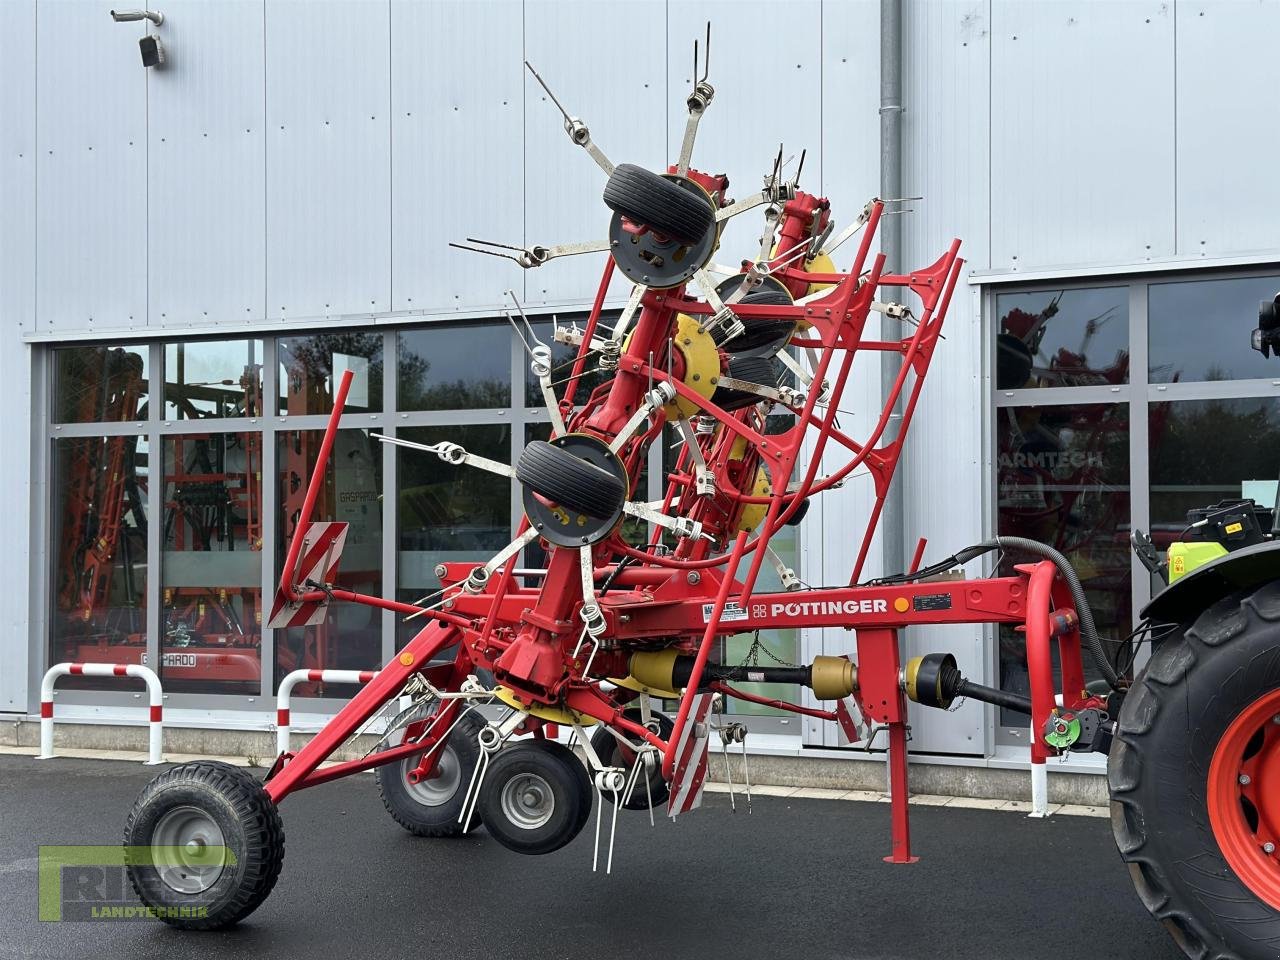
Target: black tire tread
(468,726)
(646,198)
(761,370)
(1133,768)
(604,744)
(263,827)
(569,480)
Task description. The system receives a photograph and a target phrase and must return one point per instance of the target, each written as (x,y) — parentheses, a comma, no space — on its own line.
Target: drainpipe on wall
(892,527)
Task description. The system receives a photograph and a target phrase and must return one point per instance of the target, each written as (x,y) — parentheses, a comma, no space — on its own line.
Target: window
(1087,447)
(100,384)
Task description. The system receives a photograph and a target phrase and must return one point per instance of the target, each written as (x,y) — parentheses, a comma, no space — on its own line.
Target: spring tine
(613,833)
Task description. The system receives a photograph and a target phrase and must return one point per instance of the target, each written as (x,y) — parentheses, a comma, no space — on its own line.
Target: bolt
(1268,847)
(440,570)
(1245,780)
(1276,718)
(693,576)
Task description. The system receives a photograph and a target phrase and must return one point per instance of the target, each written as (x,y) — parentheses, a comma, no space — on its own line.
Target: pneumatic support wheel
(536,796)
(1194,774)
(433,807)
(652,200)
(613,754)
(203,845)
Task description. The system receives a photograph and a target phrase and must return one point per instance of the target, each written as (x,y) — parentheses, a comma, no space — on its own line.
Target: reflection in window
(213,378)
(448,513)
(1203,451)
(99,531)
(1063,479)
(211,573)
(310,368)
(1199,329)
(350,638)
(1063,338)
(455,366)
(562,357)
(99,384)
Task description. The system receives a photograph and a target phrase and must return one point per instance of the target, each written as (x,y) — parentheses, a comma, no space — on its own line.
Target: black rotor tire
(761,370)
(763,336)
(556,766)
(432,813)
(570,481)
(609,751)
(251,829)
(1170,724)
(650,200)
(795,518)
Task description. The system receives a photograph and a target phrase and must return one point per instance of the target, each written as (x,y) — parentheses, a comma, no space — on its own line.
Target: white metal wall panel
(206,208)
(1228,75)
(17,315)
(768,87)
(606,62)
(91,196)
(328,157)
(457,151)
(1082,108)
(946,92)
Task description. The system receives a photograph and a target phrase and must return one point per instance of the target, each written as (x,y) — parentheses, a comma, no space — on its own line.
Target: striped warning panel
(689,774)
(321,549)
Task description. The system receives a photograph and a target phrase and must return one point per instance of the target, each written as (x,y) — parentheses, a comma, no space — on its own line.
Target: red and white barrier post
(311,676)
(155,752)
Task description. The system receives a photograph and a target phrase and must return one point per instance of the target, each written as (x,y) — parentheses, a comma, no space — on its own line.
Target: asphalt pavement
(796,878)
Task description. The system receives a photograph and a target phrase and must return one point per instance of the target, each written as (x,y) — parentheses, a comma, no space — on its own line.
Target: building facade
(190,254)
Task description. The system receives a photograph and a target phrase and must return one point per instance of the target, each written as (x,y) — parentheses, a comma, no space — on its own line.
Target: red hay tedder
(590,644)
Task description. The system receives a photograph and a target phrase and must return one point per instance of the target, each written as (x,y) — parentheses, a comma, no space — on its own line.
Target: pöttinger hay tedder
(747,366)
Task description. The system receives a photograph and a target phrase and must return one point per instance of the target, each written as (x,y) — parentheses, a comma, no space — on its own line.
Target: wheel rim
(441,786)
(528,801)
(188,850)
(1244,797)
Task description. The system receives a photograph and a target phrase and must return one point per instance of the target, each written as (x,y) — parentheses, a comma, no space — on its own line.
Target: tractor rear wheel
(1194,774)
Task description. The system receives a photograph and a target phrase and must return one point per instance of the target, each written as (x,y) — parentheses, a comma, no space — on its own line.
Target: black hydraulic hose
(1087,629)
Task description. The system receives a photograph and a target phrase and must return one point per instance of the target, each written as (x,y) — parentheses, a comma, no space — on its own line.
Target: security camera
(1267,336)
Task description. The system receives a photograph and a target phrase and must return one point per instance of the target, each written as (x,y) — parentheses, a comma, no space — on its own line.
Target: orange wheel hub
(1244,796)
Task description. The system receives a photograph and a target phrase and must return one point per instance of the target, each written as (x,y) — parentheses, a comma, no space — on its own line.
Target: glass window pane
(1063,479)
(351,636)
(1203,451)
(211,574)
(311,366)
(213,378)
(99,531)
(1199,329)
(455,366)
(100,384)
(1062,338)
(446,512)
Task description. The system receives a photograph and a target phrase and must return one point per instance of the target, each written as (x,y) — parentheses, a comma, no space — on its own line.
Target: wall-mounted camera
(1267,336)
(150,46)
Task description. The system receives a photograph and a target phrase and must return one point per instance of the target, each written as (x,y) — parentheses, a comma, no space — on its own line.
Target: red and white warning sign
(690,772)
(318,562)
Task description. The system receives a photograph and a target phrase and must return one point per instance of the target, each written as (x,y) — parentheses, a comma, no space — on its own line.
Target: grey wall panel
(850,96)
(206,208)
(606,63)
(1228,75)
(1082,144)
(457,151)
(328,157)
(766,94)
(17,316)
(946,94)
(91,180)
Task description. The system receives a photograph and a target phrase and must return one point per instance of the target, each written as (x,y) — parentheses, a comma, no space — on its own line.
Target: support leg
(898,795)
(878,671)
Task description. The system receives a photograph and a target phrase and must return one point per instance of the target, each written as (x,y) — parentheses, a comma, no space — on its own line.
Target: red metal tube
(287,586)
(580,361)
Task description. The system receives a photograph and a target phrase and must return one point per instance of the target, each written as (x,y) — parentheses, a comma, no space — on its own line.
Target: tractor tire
(179,834)
(763,336)
(570,481)
(432,808)
(653,201)
(610,752)
(759,370)
(536,796)
(1198,733)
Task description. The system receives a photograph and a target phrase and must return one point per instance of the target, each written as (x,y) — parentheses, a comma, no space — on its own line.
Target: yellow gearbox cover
(631,683)
(754,513)
(542,711)
(701,365)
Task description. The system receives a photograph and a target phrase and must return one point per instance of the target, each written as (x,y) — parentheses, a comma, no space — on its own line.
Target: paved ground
(796,878)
